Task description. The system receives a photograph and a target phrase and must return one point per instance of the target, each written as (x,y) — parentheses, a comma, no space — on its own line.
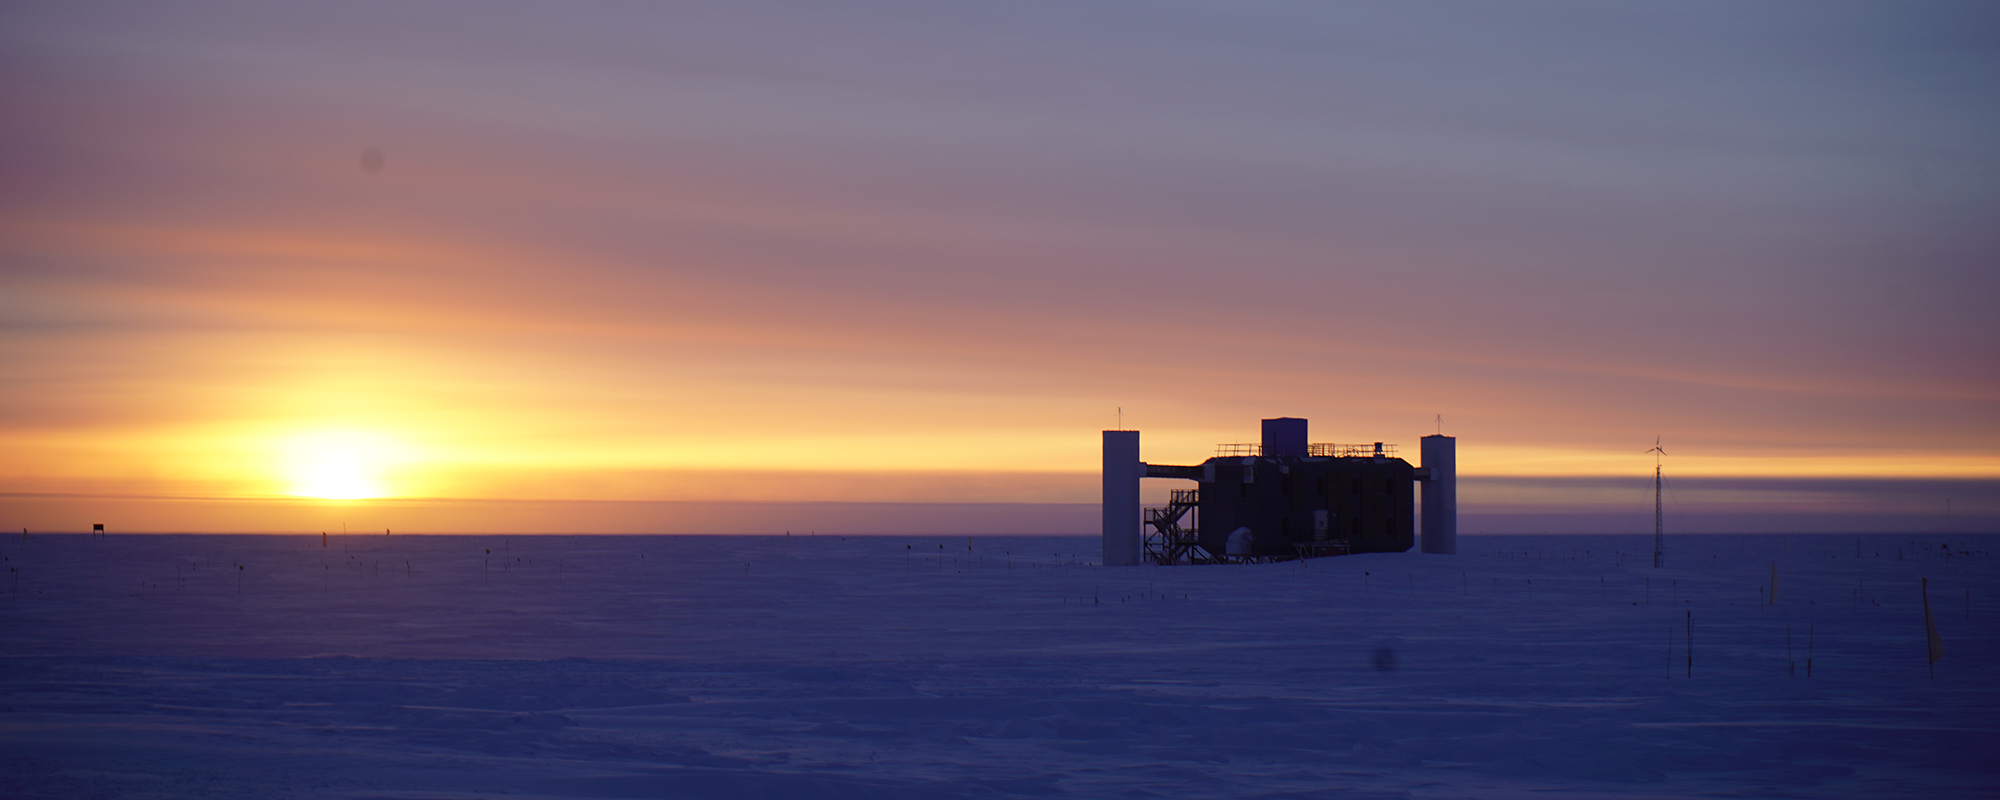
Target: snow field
(609,666)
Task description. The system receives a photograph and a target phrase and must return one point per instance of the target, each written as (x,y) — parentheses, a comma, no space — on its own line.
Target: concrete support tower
(1122,471)
(1440,457)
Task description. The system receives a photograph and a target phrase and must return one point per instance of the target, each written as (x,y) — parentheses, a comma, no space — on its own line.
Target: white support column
(1121,498)
(1440,456)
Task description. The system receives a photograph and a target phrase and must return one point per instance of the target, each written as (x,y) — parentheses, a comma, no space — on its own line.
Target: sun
(338,465)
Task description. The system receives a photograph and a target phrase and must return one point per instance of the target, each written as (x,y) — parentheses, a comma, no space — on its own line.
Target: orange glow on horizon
(461,459)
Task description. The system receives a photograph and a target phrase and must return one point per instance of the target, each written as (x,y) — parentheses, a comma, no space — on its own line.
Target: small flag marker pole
(1791,667)
(1935,644)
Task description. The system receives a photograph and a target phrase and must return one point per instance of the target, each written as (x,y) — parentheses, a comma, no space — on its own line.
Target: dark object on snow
(1385,659)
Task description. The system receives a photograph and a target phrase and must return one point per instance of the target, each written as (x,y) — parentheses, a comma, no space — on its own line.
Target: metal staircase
(1166,542)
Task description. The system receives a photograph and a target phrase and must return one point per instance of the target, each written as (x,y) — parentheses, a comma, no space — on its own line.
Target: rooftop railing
(1331,450)
(1315,450)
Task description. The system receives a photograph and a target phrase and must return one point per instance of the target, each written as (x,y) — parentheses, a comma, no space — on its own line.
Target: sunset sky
(880,253)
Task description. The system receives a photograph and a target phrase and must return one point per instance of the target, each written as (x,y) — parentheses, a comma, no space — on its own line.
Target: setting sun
(338,465)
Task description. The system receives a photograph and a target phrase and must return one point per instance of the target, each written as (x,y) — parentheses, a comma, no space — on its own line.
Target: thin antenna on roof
(1659,526)
(1121,418)
(1440,422)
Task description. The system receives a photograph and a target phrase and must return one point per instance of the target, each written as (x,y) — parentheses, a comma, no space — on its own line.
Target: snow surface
(878,667)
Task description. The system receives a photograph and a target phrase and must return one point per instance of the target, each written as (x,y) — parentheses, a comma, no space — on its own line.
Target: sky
(893,253)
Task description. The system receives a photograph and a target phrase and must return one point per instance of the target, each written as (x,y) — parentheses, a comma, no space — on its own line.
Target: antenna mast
(1659,520)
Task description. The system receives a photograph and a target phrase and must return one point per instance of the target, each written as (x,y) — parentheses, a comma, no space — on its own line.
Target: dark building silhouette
(1281,498)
